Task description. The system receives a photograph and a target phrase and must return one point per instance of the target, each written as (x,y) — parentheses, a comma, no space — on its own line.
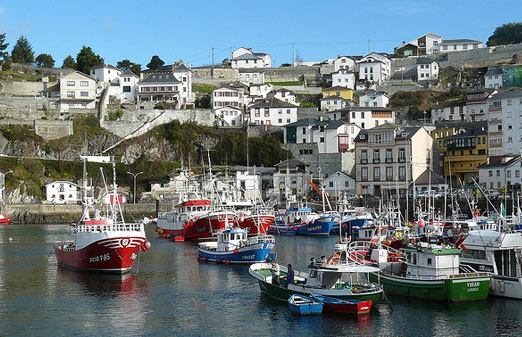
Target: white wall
(228,117)
(223,97)
(339,182)
(344,62)
(273,116)
(493,81)
(428,71)
(62,191)
(451,47)
(106,74)
(344,78)
(372,99)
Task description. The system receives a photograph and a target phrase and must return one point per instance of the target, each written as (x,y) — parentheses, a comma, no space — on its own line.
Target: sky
(188,30)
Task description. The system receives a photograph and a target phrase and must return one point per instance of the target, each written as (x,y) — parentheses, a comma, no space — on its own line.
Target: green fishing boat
(348,282)
(433,273)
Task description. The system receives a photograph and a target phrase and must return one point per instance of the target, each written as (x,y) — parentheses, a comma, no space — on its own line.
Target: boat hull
(321,226)
(110,255)
(253,222)
(5,221)
(462,289)
(201,228)
(304,305)
(248,254)
(508,287)
(344,306)
(282,230)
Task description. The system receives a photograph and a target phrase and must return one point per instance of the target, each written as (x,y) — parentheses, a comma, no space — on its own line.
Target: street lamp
(3,186)
(134,175)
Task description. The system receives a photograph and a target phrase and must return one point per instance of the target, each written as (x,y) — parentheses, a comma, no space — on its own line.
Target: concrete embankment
(52,214)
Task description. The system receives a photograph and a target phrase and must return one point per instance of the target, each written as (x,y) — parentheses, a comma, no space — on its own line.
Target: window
(482,152)
(362,114)
(70,94)
(70,83)
(389,156)
(498,173)
(376,156)
(402,172)
(517,174)
(364,157)
(429,261)
(508,174)
(322,139)
(288,120)
(84,104)
(445,47)
(376,173)
(330,184)
(490,173)
(464,46)
(126,88)
(353,114)
(364,174)
(402,155)
(280,121)
(71,103)
(346,184)
(288,111)
(85,83)
(84,93)
(257,112)
(389,173)
(267,112)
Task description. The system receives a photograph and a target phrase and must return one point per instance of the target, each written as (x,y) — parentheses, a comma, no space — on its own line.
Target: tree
(136,69)
(506,34)
(86,59)
(45,60)
(3,46)
(155,63)
(124,64)
(69,62)
(127,64)
(22,51)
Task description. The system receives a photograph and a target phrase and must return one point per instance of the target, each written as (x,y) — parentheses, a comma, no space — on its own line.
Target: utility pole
(212,69)
(134,175)
(293,54)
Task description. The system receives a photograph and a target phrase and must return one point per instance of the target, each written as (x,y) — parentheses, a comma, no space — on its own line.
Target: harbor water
(170,293)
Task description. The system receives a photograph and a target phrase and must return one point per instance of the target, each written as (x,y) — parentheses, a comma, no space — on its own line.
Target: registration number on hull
(102,257)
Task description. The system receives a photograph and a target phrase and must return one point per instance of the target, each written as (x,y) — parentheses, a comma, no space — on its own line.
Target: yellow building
(462,153)
(343,92)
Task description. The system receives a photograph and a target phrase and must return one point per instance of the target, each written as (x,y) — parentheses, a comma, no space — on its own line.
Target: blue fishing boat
(304,305)
(235,246)
(322,225)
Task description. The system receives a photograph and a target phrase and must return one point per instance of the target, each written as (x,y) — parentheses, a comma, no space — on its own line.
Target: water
(173,294)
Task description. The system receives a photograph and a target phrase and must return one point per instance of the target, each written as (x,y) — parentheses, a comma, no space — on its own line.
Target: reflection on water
(173,294)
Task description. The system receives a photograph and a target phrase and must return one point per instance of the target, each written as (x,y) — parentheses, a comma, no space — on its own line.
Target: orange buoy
(236,251)
(146,246)
(227,261)
(191,223)
(205,259)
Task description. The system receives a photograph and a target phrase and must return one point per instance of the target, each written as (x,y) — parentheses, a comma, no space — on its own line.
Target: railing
(389,160)
(128,227)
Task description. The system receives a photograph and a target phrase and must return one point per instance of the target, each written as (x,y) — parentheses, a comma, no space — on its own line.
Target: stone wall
(220,74)
(47,129)
(20,88)
(26,69)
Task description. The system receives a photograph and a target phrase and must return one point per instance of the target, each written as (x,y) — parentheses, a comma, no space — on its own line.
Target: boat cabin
(194,206)
(431,262)
(494,252)
(232,238)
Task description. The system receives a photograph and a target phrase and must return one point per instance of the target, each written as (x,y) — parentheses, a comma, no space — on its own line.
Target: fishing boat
(348,281)
(432,272)
(102,244)
(304,305)
(497,253)
(343,306)
(4,221)
(235,246)
(194,219)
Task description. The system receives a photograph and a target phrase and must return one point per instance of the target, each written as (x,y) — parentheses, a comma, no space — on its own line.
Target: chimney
(190,65)
(403,43)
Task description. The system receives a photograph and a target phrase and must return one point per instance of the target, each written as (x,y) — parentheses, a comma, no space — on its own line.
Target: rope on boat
(48,256)
(138,268)
(116,249)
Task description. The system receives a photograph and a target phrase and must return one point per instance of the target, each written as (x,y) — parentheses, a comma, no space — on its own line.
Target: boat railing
(261,238)
(127,227)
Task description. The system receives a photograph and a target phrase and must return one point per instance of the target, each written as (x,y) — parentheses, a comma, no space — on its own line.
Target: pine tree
(69,62)
(45,60)
(155,62)
(3,46)
(86,59)
(22,51)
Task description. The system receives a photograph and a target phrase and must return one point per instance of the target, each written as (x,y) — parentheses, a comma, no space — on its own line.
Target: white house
(344,62)
(332,136)
(339,182)
(129,86)
(374,67)
(496,175)
(229,116)
(427,44)
(106,73)
(246,58)
(369,117)
(284,95)
(427,69)
(331,103)
(62,192)
(493,78)
(374,99)
(249,183)
(260,90)
(77,91)
(271,111)
(249,76)
(290,178)
(177,76)
(227,97)
(460,45)
(504,127)
(344,78)
(454,111)
(477,106)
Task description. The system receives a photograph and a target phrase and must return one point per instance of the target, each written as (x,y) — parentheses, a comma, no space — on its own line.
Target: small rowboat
(303,305)
(333,304)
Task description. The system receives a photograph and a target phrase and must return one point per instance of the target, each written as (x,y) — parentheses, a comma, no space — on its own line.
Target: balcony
(376,160)
(389,160)
(402,160)
(364,161)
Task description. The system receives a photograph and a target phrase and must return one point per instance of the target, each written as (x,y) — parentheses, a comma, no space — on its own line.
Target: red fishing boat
(344,306)
(102,244)
(4,221)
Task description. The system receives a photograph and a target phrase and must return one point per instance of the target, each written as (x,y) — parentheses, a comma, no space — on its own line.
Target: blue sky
(188,30)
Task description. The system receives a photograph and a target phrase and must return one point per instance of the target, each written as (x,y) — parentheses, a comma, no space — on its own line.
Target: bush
(119,113)
(6,65)
(307,105)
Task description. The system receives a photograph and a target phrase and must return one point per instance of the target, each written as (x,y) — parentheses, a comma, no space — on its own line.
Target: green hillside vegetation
(415,102)
(506,34)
